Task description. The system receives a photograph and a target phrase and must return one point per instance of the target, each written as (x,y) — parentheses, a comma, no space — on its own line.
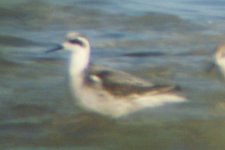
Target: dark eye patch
(76,41)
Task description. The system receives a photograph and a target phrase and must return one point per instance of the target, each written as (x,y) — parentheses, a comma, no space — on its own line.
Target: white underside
(102,102)
(98,100)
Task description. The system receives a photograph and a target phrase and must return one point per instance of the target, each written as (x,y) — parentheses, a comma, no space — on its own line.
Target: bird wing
(119,83)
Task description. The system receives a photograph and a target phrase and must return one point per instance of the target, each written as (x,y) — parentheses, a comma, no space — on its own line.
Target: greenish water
(169,42)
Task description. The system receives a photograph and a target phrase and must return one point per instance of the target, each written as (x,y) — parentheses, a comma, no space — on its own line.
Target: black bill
(57,48)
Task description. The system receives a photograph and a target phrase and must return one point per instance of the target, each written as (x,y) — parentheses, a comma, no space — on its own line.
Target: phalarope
(110,92)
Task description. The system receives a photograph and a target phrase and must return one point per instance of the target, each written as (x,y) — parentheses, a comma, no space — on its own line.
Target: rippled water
(167,42)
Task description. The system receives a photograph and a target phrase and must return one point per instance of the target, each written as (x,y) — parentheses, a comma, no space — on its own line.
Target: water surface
(167,42)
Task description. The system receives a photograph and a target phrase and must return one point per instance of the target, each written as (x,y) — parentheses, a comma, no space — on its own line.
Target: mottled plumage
(121,84)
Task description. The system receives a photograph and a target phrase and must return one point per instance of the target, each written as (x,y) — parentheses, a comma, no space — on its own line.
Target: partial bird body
(220,58)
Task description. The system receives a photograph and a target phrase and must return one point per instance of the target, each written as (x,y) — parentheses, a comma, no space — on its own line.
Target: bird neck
(78,64)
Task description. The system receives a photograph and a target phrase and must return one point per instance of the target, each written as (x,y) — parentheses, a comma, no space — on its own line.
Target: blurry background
(165,41)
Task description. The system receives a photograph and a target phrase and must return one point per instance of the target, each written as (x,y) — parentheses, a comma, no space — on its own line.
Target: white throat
(78,63)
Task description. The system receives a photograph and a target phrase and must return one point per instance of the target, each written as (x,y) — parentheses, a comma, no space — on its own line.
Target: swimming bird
(107,91)
(219,58)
